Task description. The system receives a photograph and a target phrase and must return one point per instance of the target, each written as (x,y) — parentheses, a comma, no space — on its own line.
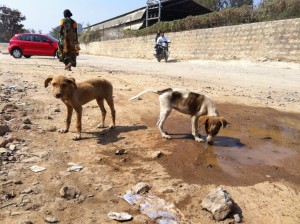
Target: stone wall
(3,47)
(275,40)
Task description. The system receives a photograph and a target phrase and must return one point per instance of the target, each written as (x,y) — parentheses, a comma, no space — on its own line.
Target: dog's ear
(49,79)
(223,122)
(72,81)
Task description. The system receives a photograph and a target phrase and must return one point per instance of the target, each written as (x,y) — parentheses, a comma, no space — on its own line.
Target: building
(156,10)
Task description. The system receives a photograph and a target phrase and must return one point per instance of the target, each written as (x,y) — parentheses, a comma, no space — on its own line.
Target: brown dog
(194,104)
(74,95)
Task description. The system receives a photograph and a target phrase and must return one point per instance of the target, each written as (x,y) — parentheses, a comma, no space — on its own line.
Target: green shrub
(267,11)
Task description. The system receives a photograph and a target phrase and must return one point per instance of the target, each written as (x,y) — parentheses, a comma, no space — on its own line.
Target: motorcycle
(162,51)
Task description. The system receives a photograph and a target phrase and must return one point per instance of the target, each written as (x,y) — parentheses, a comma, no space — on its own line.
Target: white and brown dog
(74,95)
(194,104)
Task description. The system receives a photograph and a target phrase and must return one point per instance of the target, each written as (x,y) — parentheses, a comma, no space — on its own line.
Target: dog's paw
(197,139)
(62,130)
(166,136)
(76,137)
(100,126)
(111,126)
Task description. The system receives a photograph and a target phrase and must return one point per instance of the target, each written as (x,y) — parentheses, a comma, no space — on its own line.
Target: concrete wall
(275,40)
(3,47)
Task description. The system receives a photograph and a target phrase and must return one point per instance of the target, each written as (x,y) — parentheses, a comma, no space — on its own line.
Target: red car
(29,44)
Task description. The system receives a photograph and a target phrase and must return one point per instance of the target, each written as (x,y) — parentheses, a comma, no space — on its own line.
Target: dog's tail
(144,92)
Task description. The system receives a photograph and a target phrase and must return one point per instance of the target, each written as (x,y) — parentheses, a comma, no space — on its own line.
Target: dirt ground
(256,159)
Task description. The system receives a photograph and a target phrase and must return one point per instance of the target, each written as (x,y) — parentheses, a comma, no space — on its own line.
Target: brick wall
(275,40)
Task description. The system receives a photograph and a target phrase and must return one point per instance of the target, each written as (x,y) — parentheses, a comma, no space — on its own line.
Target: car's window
(25,37)
(52,38)
(40,38)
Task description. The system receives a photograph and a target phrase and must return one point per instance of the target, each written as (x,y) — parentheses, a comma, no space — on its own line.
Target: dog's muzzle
(58,95)
(210,140)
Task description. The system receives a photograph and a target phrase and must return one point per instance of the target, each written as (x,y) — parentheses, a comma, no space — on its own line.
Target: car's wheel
(17,53)
(56,54)
(27,56)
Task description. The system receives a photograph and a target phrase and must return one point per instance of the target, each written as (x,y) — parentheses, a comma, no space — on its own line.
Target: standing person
(68,41)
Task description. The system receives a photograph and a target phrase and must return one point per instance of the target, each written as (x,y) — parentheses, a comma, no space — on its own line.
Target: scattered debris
(51,219)
(154,207)
(74,167)
(157,154)
(141,188)
(119,216)
(36,168)
(120,152)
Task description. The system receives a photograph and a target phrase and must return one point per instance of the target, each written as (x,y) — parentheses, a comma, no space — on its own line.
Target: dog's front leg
(78,110)
(195,122)
(68,120)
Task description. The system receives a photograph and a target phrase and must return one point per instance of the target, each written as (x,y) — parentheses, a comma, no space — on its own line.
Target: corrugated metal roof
(123,19)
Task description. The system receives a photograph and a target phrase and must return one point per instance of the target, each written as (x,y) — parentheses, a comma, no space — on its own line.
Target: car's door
(43,46)
(27,44)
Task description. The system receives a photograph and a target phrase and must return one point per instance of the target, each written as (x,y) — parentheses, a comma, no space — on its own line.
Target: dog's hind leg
(160,123)
(110,102)
(100,102)
(195,123)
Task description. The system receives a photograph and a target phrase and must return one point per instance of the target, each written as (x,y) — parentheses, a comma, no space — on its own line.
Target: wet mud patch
(261,144)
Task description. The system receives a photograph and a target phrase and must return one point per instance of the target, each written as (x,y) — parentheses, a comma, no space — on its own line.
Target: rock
(27,121)
(26,126)
(4,129)
(74,167)
(31,160)
(141,188)
(157,154)
(120,152)
(12,147)
(18,182)
(25,222)
(51,219)
(119,216)
(69,192)
(37,168)
(219,203)
(27,191)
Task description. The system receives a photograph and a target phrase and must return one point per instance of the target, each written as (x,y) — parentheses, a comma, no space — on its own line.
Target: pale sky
(46,14)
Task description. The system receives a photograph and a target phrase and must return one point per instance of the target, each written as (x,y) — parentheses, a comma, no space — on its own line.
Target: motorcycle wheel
(166,55)
(158,58)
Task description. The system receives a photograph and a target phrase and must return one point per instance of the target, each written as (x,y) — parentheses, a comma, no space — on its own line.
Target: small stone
(51,219)
(119,216)
(120,152)
(25,222)
(141,188)
(27,191)
(18,182)
(157,154)
(69,192)
(27,121)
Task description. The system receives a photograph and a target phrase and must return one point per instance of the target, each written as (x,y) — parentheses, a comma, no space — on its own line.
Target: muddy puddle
(261,144)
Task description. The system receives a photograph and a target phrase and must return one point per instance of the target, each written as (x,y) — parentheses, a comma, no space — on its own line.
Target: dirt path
(255,160)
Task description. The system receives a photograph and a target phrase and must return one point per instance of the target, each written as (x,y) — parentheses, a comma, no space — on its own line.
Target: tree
(55,32)
(10,23)
(216,5)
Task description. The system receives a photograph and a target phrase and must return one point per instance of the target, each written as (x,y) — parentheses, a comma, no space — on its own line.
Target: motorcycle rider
(159,41)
